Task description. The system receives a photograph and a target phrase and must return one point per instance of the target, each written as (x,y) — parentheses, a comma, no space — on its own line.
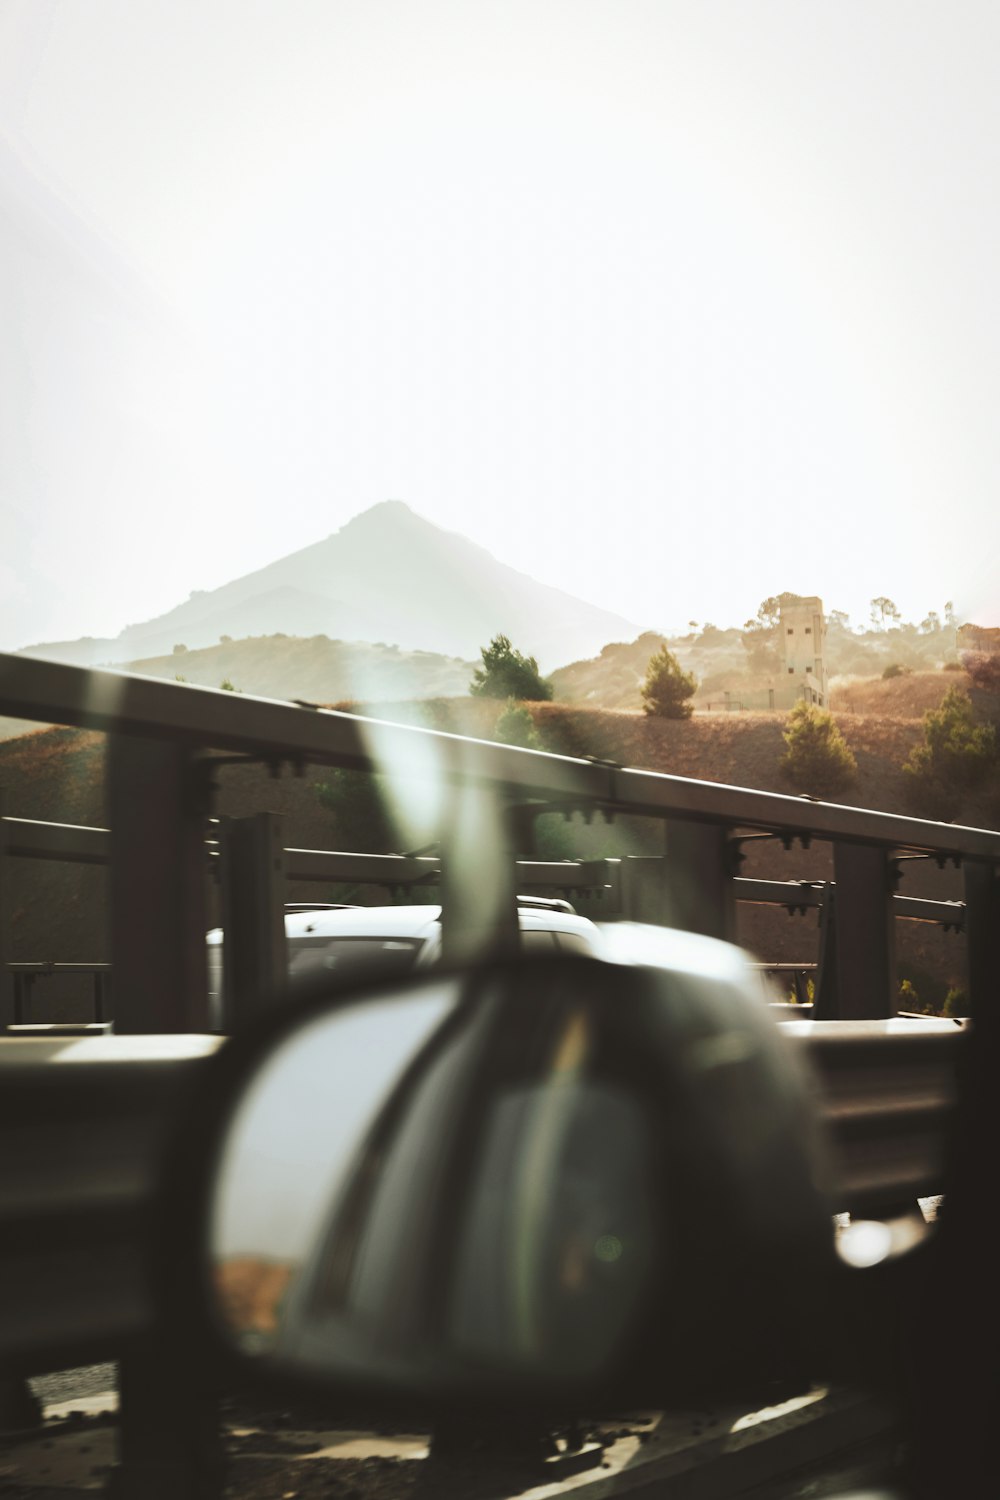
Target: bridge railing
(23,838)
(168,742)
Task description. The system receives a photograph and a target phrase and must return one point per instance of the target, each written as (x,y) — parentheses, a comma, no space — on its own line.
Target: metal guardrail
(887,1093)
(26,975)
(91,1115)
(28,838)
(83,1121)
(33,839)
(164,756)
(196,718)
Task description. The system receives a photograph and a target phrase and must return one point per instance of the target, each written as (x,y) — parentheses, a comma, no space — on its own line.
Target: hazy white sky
(671,303)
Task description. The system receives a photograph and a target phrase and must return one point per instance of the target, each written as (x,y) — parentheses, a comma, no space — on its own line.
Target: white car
(396,939)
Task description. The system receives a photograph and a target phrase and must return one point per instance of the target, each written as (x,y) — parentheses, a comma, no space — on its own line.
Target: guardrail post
(864,932)
(700,876)
(157,804)
(478,878)
(982,928)
(826,993)
(255,957)
(689,887)
(644,889)
(169,1441)
(6,977)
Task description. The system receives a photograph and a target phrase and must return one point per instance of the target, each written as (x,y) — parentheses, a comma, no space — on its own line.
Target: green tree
(955,1003)
(818,759)
(505,673)
(668,689)
(227,686)
(958,755)
(909,1000)
(515,726)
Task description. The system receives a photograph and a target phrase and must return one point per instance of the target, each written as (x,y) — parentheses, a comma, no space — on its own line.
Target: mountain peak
(388,575)
(391,511)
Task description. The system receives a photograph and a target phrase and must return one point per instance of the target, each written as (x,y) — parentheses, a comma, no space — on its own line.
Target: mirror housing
(546,1182)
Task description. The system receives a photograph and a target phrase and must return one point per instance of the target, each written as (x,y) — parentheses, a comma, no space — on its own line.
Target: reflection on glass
(437,1183)
(290,1144)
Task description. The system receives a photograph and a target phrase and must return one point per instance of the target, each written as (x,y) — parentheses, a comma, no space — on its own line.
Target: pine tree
(505,673)
(668,689)
(818,759)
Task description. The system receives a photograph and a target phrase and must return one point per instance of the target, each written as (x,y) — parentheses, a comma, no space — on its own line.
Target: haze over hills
(387,576)
(315,669)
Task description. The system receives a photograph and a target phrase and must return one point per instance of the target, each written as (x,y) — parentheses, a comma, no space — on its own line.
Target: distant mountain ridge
(316,669)
(388,576)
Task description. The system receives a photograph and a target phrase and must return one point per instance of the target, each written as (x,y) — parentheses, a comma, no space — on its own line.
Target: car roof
(415,922)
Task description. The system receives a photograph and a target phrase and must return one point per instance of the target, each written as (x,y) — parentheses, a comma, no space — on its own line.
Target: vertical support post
(102,986)
(169,1437)
(826,1001)
(255,957)
(478,878)
(157,805)
(864,934)
(982,929)
(690,886)
(24,987)
(644,888)
(6,977)
(700,875)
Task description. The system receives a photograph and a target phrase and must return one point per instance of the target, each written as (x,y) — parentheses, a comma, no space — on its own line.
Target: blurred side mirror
(555,1180)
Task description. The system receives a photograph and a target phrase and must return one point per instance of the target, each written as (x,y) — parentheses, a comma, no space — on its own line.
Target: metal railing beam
(28,838)
(203,718)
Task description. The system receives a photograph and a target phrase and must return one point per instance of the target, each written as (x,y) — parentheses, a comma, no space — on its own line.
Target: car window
(309,955)
(573,942)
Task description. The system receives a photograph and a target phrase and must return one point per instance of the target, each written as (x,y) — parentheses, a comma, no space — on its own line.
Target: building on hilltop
(982,640)
(803,652)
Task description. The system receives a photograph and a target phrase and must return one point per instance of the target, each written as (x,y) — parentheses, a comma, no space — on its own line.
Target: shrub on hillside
(818,759)
(908,998)
(668,689)
(955,1003)
(894,670)
(505,673)
(958,756)
(983,670)
(515,726)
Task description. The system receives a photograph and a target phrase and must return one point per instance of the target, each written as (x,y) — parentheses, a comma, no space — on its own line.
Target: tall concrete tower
(803,635)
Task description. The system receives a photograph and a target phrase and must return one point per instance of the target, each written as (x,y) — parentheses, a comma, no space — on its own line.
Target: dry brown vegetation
(906,697)
(250,1290)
